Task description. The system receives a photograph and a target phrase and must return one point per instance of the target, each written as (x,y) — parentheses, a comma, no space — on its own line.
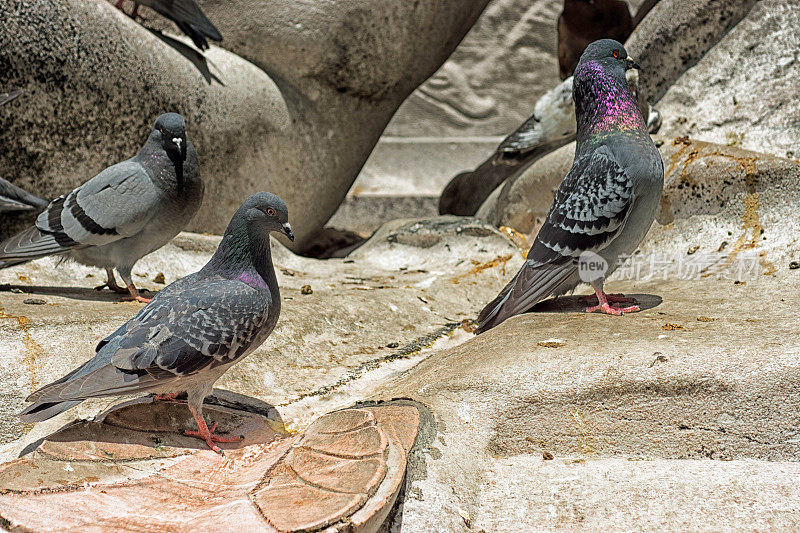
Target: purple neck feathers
(604,104)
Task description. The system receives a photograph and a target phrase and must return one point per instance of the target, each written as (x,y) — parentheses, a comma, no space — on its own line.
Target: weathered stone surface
(693,426)
(490,83)
(298,116)
(743,92)
(373,309)
(133,469)
(678,417)
(738,197)
(676,34)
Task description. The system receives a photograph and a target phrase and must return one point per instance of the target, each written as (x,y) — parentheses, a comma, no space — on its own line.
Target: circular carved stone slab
(132,469)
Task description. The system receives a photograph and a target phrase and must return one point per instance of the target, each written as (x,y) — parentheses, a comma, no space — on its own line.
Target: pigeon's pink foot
(604,307)
(612,310)
(134,296)
(113,286)
(111,283)
(207,435)
(610,298)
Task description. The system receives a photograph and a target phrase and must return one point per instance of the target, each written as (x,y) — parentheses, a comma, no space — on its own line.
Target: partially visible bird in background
(127,211)
(584,21)
(7,97)
(186,14)
(13,198)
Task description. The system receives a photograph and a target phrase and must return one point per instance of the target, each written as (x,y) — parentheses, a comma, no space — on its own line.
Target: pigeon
(607,201)
(12,198)
(127,211)
(584,21)
(192,331)
(186,14)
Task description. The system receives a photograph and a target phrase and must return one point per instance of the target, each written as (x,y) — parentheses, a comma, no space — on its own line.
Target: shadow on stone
(577,304)
(75,293)
(196,58)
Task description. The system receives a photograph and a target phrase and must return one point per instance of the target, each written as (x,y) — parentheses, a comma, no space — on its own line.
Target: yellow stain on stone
(32,348)
(519,240)
(480,267)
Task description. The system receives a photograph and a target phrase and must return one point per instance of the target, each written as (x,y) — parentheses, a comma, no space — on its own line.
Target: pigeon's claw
(134,295)
(609,304)
(607,309)
(611,298)
(168,397)
(206,434)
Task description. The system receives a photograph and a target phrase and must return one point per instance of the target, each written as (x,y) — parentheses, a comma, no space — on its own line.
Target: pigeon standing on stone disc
(127,211)
(606,203)
(12,198)
(192,331)
(186,14)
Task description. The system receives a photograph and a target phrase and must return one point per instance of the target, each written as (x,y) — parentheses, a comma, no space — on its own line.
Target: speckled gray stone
(297,116)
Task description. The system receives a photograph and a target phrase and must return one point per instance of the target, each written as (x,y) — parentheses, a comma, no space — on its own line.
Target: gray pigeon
(192,331)
(127,211)
(186,14)
(12,198)
(606,203)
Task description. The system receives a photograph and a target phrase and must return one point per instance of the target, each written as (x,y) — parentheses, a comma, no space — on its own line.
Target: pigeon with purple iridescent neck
(192,331)
(607,201)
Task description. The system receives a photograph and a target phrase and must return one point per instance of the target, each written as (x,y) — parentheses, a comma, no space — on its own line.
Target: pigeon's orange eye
(615,53)
(271,212)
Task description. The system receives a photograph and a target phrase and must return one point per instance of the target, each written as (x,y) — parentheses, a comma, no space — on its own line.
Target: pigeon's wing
(199,328)
(183,13)
(7,97)
(173,288)
(116,203)
(13,198)
(590,209)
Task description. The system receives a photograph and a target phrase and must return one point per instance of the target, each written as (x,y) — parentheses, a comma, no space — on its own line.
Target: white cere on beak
(177,141)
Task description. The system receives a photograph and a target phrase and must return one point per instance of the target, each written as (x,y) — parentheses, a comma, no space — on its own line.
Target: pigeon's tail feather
(28,245)
(13,198)
(196,36)
(531,285)
(44,410)
(95,380)
(7,97)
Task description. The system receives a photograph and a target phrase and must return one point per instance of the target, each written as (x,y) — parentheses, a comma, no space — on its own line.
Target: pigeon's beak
(287,230)
(181,147)
(630,63)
